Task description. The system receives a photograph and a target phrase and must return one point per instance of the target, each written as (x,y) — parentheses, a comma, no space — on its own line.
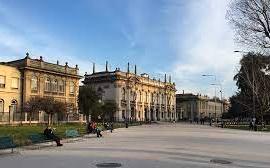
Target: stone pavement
(153,146)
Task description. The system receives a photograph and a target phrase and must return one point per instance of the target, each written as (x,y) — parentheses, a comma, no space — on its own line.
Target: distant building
(10,94)
(137,96)
(44,79)
(192,107)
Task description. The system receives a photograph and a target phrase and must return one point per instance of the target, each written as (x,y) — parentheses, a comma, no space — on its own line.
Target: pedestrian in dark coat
(48,133)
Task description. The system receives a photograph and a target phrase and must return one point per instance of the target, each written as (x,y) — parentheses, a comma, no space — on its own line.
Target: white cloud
(197,29)
(17,38)
(208,48)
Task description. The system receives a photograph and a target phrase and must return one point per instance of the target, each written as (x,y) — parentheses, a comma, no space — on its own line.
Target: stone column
(149,106)
(166,109)
(128,110)
(192,111)
(142,110)
(118,99)
(136,106)
(159,107)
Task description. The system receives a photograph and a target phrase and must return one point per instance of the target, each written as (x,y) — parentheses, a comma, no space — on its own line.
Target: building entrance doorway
(157,115)
(152,114)
(145,115)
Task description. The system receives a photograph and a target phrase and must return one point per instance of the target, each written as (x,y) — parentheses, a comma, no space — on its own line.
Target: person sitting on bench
(50,135)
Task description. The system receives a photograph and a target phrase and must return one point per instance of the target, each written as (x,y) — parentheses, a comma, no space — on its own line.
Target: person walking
(98,131)
(89,128)
(250,125)
(94,126)
(126,123)
(111,127)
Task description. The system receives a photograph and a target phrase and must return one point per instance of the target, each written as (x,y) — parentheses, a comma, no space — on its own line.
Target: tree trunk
(30,118)
(87,119)
(262,122)
(49,119)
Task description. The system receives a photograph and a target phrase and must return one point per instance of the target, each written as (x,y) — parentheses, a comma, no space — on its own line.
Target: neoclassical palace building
(192,107)
(138,97)
(35,77)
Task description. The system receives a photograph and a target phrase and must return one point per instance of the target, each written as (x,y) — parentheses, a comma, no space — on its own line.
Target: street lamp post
(210,75)
(219,84)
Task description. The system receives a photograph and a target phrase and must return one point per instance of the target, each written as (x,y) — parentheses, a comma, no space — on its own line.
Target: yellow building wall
(9,94)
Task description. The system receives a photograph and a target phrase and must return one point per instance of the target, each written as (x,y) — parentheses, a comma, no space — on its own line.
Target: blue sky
(183,38)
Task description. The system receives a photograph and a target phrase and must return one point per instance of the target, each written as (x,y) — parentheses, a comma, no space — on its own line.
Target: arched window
(157,98)
(34,83)
(146,97)
(140,94)
(13,106)
(71,88)
(131,95)
(61,86)
(47,85)
(152,97)
(54,85)
(134,96)
(1,105)
(123,94)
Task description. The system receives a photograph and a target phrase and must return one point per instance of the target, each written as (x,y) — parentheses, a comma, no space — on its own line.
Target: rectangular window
(1,106)
(14,83)
(71,88)
(2,81)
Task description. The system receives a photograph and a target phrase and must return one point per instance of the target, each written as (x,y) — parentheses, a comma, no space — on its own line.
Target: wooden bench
(38,138)
(7,143)
(72,133)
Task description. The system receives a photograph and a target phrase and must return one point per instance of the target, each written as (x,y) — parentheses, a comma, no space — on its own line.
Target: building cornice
(113,76)
(51,72)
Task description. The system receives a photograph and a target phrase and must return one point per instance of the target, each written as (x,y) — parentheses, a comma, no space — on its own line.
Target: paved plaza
(153,146)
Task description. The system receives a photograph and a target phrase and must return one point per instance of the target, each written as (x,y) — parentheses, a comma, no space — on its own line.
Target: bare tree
(250,20)
(32,106)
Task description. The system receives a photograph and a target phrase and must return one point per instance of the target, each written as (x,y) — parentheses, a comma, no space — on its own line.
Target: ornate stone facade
(192,107)
(40,78)
(137,96)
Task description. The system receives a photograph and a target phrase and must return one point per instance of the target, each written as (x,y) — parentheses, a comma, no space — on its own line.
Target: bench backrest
(6,142)
(37,138)
(72,133)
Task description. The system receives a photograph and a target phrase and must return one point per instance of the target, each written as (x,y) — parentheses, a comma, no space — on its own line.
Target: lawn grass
(20,134)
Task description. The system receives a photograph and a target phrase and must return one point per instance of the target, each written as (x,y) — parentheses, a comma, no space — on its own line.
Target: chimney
(183,91)
(57,62)
(135,70)
(94,68)
(128,68)
(106,66)
(27,55)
